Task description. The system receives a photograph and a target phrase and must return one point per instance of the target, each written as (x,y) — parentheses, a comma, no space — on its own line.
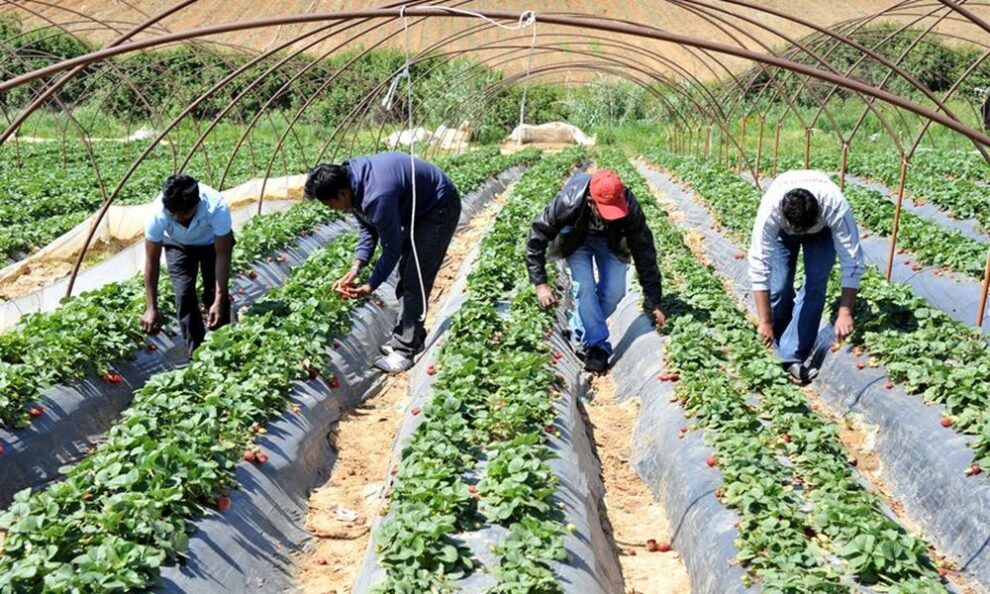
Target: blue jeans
(596,301)
(796,321)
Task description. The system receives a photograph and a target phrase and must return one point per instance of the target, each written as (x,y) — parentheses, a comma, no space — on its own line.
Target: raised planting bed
(921,463)
(806,523)
(493,461)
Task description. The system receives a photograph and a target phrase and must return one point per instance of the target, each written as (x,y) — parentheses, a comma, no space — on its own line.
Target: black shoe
(596,360)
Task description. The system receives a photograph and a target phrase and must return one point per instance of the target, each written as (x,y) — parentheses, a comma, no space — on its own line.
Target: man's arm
(152,268)
(765,230)
(223,246)
(845,235)
(639,238)
(384,215)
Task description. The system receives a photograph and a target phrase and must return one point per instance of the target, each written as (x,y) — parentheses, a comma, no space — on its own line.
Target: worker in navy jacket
(378,189)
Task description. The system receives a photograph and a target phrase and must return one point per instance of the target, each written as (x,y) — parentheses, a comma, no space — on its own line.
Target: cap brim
(611,212)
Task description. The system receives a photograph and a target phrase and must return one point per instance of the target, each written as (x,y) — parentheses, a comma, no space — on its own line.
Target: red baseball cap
(609,194)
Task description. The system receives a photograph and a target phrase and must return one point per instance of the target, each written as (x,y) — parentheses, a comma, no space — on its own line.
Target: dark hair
(800,208)
(181,193)
(326,180)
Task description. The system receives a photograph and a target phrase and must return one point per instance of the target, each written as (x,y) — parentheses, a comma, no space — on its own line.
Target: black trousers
(433,234)
(185,263)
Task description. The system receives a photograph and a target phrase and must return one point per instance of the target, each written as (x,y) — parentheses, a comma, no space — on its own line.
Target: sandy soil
(633,514)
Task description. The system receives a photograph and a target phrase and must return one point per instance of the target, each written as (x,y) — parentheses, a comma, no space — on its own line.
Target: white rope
(526,19)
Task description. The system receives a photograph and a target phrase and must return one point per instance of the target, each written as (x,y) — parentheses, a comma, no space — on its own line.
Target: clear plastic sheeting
(77,414)
(921,463)
(671,466)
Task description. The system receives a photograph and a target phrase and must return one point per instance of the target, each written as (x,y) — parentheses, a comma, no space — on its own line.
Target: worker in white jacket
(802,209)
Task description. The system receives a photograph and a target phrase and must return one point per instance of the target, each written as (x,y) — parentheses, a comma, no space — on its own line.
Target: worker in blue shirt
(378,189)
(192,224)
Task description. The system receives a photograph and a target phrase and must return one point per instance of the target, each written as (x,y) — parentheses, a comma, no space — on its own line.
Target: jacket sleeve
(367,240)
(639,238)
(384,215)
(544,230)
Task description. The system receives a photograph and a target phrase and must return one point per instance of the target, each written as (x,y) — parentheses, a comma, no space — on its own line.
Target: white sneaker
(386,349)
(394,363)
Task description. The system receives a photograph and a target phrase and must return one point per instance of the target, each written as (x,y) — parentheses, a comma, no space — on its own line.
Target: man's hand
(843,325)
(151,320)
(345,283)
(352,292)
(215,314)
(765,330)
(659,318)
(545,296)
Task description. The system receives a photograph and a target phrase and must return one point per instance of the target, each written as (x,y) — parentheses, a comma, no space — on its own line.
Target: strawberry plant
(923,349)
(491,398)
(807,523)
(124,510)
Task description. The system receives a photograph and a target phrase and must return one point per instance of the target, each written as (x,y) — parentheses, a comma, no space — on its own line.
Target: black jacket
(563,227)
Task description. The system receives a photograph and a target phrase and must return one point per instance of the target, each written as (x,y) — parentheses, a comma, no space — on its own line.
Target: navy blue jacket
(382,201)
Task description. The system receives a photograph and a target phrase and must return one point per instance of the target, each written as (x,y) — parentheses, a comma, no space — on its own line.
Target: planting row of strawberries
(930,354)
(806,522)
(124,510)
(491,402)
(91,331)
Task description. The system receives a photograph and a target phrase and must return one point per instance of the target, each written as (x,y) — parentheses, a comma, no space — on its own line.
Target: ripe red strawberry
(313,373)
(152,347)
(414,411)
(945,422)
(735,524)
(473,489)
(282,258)
(669,377)
(549,429)
(900,250)
(334,383)
(889,385)
(973,470)
(740,256)
(393,471)
(711,461)
(942,571)
(252,275)
(907,262)
(835,347)
(249,456)
(651,545)
(321,561)
(261,457)
(916,267)
(664,547)
(431,370)
(558,355)
(684,429)
(223,503)
(860,365)
(786,438)
(241,291)
(36,411)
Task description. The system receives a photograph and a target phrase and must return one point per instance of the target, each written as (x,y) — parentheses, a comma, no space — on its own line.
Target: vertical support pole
(807,148)
(742,145)
(897,218)
(842,167)
(776,149)
(708,143)
(759,147)
(983,295)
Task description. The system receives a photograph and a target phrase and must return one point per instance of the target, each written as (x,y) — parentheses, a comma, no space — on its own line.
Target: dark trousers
(433,234)
(185,263)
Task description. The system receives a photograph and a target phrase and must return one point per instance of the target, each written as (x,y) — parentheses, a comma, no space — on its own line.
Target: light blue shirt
(212,219)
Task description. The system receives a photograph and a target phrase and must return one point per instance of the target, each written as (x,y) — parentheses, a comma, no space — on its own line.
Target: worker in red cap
(595,223)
